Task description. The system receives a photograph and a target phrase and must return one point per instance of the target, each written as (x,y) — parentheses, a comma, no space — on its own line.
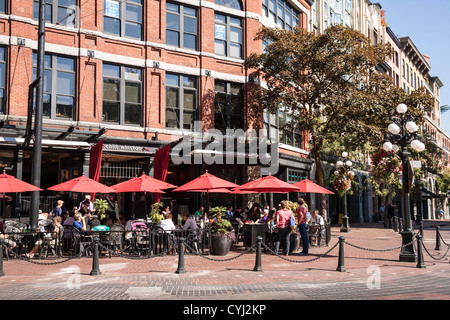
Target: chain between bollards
(181,257)
(258,266)
(95,260)
(341,267)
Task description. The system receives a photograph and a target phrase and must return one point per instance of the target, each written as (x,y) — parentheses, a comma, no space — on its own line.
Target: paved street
(369,274)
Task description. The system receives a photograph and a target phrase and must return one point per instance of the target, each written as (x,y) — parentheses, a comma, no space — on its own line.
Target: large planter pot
(220,245)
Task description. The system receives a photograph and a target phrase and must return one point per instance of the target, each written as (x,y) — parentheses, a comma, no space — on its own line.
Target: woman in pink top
(284,228)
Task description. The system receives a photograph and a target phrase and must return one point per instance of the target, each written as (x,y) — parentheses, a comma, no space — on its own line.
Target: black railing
(70,242)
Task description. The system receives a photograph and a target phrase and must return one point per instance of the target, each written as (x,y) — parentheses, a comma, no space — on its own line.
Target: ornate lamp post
(403,132)
(344,169)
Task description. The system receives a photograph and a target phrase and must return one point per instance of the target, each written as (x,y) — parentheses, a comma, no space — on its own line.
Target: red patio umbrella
(206,183)
(82,184)
(10,184)
(307,186)
(143,183)
(267,184)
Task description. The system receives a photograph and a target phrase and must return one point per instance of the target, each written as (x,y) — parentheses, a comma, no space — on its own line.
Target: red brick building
(137,74)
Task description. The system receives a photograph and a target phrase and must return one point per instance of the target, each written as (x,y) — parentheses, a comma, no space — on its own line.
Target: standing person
(381,212)
(284,228)
(302,221)
(87,198)
(57,211)
(389,216)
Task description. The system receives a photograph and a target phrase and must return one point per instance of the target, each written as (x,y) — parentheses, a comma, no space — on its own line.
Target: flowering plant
(385,169)
(341,180)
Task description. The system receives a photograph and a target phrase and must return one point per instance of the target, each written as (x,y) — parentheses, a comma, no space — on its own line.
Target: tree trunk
(320,181)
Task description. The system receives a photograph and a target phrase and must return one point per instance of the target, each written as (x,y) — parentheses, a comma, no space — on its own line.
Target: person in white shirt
(317,218)
(167,223)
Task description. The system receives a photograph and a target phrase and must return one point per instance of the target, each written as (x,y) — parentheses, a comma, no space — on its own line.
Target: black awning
(428,194)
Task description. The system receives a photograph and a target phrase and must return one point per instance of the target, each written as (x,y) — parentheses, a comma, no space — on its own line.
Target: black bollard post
(438,239)
(258,266)
(400,224)
(95,260)
(181,257)
(396,224)
(420,262)
(341,267)
(2,241)
(421,228)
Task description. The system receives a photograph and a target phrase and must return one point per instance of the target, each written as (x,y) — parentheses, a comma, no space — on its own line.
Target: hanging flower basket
(385,169)
(341,181)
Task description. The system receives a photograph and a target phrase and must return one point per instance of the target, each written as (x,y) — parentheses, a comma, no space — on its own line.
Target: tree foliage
(330,85)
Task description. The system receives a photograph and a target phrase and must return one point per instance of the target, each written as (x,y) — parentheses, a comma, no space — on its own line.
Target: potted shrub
(155,215)
(222,232)
(101,206)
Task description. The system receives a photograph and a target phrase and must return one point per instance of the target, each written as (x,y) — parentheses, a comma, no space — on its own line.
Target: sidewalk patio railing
(146,244)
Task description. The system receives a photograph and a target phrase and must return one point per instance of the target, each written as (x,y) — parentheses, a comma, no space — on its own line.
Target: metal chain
(440,236)
(135,257)
(448,248)
(380,250)
(45,263)
(212,259)
(300,261)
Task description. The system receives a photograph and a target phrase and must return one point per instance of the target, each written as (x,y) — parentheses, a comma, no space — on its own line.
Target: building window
(62,12)
(234,4)
(229,107)
(122,95)
(271,126)
(181,101)
(181,26)
(288,134)
(228,36)
(3,80)
(59,86)
(282,13)
(296,175)
(3,6)
(123,18)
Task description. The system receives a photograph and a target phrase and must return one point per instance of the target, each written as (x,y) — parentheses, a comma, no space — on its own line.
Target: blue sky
(427,23)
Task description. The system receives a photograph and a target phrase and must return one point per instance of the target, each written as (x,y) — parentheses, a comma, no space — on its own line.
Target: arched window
(235,4)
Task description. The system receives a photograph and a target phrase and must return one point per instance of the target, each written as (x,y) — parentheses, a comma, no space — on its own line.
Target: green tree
(330,85)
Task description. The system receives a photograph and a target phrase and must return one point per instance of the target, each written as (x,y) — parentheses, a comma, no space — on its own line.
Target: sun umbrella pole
(3,206)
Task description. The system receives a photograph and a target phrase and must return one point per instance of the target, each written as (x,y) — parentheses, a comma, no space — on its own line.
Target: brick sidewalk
(283,278)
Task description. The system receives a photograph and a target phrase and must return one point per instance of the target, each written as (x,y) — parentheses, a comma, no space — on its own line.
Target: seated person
(51,236)
(10,243)
(167,223)
(93,222)
(70,219)
(189,223)
(108,219)
(79,222)
(238,214)
(200,211)
(166,211)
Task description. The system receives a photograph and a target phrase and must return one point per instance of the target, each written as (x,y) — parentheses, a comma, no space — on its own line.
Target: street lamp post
(403,132)
(346,165)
